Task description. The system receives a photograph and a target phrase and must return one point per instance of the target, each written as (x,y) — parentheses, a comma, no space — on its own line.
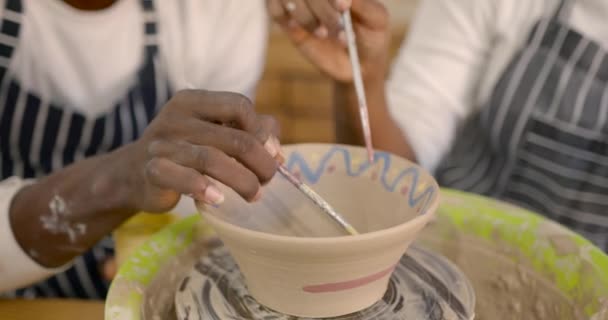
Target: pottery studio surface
(520,265)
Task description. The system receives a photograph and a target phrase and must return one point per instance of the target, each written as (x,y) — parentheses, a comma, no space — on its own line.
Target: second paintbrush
(358,81)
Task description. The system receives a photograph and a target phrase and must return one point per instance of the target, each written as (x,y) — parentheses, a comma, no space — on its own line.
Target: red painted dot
(405,190)
(331,168)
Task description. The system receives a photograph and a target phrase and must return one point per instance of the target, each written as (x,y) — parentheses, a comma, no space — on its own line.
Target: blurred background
(301,97)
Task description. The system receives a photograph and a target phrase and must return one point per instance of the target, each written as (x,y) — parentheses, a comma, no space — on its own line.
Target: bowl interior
(371,196)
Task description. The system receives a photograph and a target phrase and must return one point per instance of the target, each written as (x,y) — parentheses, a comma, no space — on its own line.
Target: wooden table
(50,309)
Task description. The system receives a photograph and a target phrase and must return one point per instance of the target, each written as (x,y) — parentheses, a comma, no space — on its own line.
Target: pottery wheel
(424,286)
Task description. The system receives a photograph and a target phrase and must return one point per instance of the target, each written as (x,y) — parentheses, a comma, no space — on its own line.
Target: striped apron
(38,137)
(541,141)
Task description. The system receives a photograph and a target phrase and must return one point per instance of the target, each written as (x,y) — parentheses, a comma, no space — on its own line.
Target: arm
(43,225)
(64,214)
(197,135)
(386,134)
(434,81)
(432,84)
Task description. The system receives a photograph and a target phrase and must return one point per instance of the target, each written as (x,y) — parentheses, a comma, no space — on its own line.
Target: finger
(248,150)
(273,146)
(371,13)
(276,10)
(341,5)
(211,162)
(302,14)
(224,107)
(168,175)
(329,56)
(264,127)
(271,142)
(268,126)
(328,16)
(297,34)
(243,146)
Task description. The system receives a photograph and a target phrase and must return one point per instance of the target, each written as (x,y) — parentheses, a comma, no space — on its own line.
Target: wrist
(374,86)
(116,180)
(375,76)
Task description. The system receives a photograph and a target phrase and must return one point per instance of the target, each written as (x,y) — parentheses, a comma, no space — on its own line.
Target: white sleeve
(17,269)
(433,82)
(237,51)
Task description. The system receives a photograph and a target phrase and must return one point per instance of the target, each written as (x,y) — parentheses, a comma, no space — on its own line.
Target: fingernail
(213,195)
(257,196)
(290,6)
(271,147)
(280,155)
(343,4)
(321,32)
(280,158)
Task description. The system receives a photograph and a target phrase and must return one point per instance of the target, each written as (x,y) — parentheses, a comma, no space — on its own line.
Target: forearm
(386,135)
(64,214)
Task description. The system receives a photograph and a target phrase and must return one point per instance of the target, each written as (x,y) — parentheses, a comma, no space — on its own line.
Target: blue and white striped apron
(541,141)
(38,137)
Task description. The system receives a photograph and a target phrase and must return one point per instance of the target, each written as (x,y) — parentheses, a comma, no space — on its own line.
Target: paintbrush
(358,81)
(318,200)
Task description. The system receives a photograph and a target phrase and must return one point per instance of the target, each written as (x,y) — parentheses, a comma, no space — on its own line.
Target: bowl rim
(421,218)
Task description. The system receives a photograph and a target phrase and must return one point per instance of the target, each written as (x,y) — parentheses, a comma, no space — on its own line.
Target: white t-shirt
(89,59)
(454,54)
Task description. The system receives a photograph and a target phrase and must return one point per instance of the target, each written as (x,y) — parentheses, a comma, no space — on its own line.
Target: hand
(315,27)
(197,135)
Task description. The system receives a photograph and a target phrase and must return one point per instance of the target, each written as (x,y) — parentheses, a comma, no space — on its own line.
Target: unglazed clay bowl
(298,261)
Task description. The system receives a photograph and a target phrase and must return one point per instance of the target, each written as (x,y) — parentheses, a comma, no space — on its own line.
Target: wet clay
(505,288)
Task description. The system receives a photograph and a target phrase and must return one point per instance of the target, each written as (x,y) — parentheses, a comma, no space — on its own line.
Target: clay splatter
(58,222)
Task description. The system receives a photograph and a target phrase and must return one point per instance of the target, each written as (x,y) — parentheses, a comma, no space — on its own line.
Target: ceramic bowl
(298,261)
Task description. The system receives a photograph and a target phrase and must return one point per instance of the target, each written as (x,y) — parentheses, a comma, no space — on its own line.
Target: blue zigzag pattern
(314,174)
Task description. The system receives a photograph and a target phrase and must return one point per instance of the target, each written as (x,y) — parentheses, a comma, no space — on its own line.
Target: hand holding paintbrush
(320,48)
(347,40)
(321,30)
(358,81)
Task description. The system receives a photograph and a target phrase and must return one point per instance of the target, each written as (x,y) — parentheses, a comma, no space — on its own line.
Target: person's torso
(541,137)
(514,20)
(89,60)
(74,84)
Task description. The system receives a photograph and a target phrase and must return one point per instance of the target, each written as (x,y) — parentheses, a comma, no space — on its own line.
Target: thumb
(295,32)
(370,13)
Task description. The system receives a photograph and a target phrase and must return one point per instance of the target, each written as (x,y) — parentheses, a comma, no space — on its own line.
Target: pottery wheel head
(423,286)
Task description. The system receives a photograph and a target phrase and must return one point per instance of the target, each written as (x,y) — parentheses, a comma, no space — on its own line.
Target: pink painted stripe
(347,285)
